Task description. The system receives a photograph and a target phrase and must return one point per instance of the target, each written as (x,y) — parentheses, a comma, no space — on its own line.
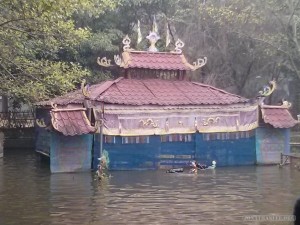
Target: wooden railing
(17,119)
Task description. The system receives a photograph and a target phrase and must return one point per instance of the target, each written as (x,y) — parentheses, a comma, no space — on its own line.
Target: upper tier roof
(151,92)
(152,58)
(155,60)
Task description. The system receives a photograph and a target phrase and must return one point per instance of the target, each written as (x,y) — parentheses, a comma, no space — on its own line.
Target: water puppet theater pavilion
(154,117)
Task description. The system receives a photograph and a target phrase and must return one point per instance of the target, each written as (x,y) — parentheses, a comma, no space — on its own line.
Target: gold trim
(199,63)
(179,44)
(283,106)
(210,121)
(41,122)
(65,110)
(268,90)
(154,131)
(53,105)
(186,63)
(53,121)
(149,122)
(126,42)
(126,60)
(103,62)
(187,111)
(118,60)
(84,89)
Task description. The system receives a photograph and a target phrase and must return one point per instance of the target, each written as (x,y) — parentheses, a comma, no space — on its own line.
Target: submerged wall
(153,152)
(81,153)
(232,152)
(70,153)
(128,156)
(270,143)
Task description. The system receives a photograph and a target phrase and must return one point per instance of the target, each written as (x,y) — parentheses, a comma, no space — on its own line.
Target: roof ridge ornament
(268,90)
(85,89)
(103,62)
(53,105)
(178,46)
(199,63)
(286,103)
(153,37)
(41,122)
(118,60)
(126,42)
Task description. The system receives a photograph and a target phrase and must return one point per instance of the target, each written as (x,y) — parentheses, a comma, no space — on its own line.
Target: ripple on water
(29,194)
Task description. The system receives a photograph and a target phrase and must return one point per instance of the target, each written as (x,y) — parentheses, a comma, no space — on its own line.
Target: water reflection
(71,197)
(29,194)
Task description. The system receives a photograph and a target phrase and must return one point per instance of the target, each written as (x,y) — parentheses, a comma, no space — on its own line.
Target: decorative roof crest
(268,90)
(126,42)
(178,46)
(153,37)
(103,62)
(40,122)
(53,105)
(118,60)
(85,89)
(199,63)
(286,103)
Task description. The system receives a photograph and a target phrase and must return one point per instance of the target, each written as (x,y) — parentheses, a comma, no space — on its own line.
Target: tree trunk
(4,104)
(297,97)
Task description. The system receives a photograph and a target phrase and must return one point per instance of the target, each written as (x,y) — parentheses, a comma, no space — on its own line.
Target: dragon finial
(85,88)
(268,90)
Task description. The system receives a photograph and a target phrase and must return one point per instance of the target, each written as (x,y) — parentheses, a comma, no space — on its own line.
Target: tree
(35,37)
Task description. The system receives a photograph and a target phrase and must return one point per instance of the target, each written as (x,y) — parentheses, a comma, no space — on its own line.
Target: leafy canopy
(35,37)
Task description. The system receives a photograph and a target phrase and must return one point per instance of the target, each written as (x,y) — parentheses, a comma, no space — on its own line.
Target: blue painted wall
(157,154)
(176,154)
(270,143)
(129,156)
(234,152)
(70,153)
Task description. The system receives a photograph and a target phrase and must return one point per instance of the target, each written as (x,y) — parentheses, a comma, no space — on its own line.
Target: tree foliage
(36,35)
(48,46)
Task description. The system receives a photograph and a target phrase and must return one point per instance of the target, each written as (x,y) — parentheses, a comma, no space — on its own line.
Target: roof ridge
(274,107)
(106,85)
(147,52)
(218,89)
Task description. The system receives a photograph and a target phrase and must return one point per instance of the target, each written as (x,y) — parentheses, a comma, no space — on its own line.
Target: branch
(10,21)
(21,31)
(20,69)
(261,40)
(275,47)
(294,10)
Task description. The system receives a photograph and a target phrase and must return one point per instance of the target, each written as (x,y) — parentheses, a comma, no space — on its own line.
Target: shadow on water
(29,194)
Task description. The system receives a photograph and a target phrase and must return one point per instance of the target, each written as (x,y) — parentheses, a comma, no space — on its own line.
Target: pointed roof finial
(153,37)
(154,25)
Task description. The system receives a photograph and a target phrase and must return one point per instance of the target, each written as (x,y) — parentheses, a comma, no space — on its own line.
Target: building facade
(154,117)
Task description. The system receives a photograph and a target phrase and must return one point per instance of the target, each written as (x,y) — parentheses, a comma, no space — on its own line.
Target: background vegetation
(48,46)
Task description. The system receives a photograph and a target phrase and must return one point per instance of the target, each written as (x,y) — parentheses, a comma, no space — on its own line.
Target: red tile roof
(155,60)
(153,92)
(278,116)
(73,97)
(71,121)
(165,92)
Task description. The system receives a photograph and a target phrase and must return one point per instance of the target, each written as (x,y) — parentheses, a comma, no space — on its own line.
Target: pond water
(30,194)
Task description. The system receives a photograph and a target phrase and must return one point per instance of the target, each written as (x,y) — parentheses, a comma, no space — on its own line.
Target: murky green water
(29,194)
